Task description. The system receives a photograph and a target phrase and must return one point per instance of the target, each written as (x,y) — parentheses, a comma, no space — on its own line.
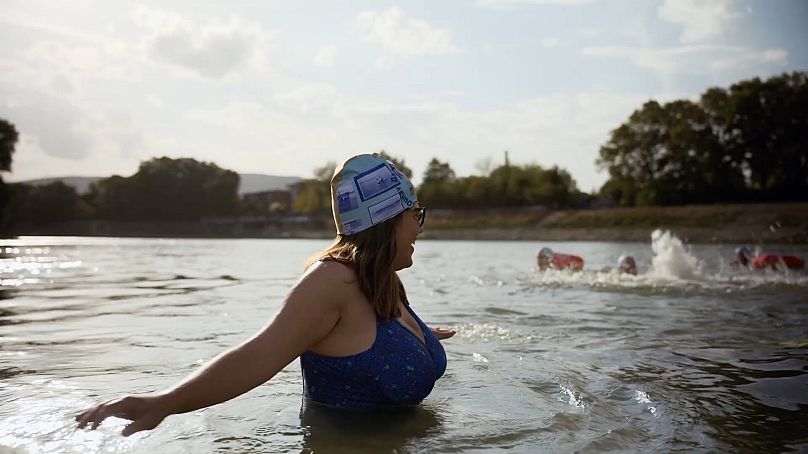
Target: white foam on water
(671,259)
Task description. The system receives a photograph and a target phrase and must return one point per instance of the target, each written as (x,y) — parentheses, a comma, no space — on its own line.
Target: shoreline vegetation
(730,167)
(781,223)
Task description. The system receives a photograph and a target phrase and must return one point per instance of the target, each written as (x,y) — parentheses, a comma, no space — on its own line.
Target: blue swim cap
(546,252)
(367,190)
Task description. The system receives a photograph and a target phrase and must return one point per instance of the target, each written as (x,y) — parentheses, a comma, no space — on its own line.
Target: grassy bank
(747,223)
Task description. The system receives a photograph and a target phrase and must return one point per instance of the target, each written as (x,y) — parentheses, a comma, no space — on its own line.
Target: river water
(691,355)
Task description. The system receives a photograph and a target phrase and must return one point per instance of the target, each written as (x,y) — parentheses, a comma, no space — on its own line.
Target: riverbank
(736,223)
(747,223)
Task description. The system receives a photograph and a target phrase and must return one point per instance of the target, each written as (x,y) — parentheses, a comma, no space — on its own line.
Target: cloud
(69,130)
(60,128)
(50,28)
(404,36)
(564,130)
(325,56)
(694,59)
(307,98)
(212,50)
(509,4)
(701,19)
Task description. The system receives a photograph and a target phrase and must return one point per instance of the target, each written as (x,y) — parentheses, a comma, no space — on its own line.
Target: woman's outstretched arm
(309,313)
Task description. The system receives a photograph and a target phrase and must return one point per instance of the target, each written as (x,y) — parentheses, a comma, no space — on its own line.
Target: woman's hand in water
(145,412)
(443,333)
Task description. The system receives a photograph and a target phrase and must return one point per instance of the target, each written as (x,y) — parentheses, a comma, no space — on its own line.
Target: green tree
(315,194)
(667,154)
(437,187)
(764,127)
(746,142)
(166,189)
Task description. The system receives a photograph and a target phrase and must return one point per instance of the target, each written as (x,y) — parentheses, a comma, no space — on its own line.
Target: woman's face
(407,230)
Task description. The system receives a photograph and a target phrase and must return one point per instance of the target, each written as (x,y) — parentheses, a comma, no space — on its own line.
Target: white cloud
(307,98)
(701,19)
(550,42)
(60,137)
(553,130)
(508,4)
(694,59)
(326,56)
(214,50)
(405,36)
(36,22)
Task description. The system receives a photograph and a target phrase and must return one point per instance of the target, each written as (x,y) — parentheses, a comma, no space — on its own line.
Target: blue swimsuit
(398,369)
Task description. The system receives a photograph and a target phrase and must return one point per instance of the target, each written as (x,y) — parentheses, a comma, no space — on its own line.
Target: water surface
(690,355)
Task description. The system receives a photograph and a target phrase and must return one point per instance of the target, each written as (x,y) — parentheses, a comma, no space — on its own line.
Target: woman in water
(348,319)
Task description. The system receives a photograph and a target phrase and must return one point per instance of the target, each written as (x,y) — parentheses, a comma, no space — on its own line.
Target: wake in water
(673,266)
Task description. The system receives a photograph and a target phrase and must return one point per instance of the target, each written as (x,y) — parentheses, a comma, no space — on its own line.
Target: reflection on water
(329,429)
(690,354)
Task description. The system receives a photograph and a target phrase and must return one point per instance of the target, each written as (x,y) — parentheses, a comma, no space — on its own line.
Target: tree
(748,142)
(437,186)
(8,140)
(111,198)
(667,154)
(315,194)
(166,189)
(45,204)
(764,127)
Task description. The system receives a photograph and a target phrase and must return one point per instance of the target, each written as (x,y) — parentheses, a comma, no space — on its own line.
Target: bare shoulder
(327,282)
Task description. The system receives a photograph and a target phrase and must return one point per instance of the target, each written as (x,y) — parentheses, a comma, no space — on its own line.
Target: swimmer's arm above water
(309,313)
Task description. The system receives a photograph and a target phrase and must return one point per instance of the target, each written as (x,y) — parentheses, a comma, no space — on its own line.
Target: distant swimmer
(627,264)
(766,260)
(546,258)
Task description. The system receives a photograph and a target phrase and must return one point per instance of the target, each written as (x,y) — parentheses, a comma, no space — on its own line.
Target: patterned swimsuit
(398,369)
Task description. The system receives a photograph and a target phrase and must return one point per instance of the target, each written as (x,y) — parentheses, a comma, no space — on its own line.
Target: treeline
(748,143)
(163,189)
(504,186)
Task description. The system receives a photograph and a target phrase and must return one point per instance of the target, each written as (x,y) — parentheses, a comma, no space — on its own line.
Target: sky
(281,88)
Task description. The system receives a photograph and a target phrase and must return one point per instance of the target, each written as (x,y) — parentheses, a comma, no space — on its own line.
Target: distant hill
(256,182)
(80,184)
(250,182)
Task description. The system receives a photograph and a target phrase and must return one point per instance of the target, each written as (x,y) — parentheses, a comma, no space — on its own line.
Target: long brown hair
(371,253)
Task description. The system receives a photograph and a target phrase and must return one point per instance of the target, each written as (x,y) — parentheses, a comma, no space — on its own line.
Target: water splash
(567,395)
(671,259)
(673,266)
(643,398)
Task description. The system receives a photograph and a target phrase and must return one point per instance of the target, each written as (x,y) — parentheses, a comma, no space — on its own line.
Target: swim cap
(546,252)
(741,250)
(367,190)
